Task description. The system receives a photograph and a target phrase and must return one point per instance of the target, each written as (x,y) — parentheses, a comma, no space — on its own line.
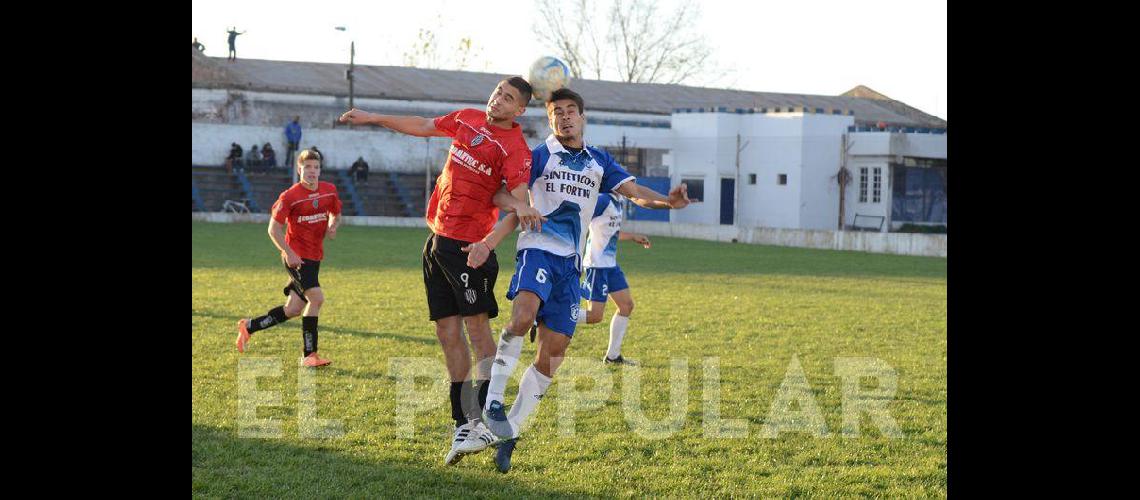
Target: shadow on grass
(428,339)
(225,465)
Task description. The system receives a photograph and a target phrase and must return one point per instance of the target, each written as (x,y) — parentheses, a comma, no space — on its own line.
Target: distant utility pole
(351,71)
(844,177)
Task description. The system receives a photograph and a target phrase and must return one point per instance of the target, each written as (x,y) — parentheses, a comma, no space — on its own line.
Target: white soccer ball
(548,74)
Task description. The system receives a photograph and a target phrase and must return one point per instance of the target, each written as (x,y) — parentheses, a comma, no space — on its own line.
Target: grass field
(752,308)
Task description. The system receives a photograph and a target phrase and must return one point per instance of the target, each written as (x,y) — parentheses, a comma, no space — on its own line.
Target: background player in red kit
(312,211)
(487,151)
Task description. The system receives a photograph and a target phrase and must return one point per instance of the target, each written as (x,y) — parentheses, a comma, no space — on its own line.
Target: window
(918,194)
(878,185)
(782,179)
(752,178)
(696,188)
(632,159)
(637,161)
(863,185)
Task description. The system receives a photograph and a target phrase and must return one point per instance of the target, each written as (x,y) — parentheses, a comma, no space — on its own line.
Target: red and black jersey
(307,214)
(482,157)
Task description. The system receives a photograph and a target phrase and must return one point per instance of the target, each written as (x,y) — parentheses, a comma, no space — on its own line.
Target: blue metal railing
(247,190)
(350,186)
(197,196)
(409,208)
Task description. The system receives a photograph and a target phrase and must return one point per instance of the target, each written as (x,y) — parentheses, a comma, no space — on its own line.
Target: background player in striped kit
(604,276)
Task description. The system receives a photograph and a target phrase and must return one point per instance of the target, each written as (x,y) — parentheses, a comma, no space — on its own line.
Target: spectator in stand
(293,138)
(324,159)
(269,156)
(359,170)
(253,158)
(234,159)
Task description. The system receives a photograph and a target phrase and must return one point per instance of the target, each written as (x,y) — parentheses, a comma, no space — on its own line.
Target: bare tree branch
(423,53)
(426,51)
(641,42)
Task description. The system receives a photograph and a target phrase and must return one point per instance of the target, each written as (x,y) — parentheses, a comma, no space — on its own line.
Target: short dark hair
(565,93)
(525,91)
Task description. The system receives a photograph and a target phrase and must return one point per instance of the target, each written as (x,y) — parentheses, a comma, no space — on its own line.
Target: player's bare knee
(595,315)
(447,329)
(478,327)
(524,308)
(316,297)
(521,320)
(625,308)
(521,324)
(294,310)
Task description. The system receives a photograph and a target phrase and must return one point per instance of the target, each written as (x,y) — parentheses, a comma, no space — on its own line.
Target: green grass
(752,307)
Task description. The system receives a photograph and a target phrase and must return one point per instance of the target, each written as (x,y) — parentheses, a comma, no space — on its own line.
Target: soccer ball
(548,74)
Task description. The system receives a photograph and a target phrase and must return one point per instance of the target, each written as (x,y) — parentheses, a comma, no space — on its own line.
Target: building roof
(405,83)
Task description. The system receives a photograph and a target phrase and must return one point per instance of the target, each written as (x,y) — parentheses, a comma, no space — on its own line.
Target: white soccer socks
(617,332)
(506,358)
(531,389)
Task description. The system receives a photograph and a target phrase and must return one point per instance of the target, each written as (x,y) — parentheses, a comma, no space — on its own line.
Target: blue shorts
(601,281)
(555,280)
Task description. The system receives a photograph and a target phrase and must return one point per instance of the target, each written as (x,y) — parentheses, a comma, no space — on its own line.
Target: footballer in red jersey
(487,168)
(311,210)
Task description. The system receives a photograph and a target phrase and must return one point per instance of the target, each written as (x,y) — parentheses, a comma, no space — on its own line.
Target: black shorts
(304,278)
(452,287)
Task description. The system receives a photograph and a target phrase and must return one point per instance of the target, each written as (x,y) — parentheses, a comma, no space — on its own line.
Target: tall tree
(642,42)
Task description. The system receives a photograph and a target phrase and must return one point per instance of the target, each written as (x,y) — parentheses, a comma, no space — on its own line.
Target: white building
(786,173)
(782,175)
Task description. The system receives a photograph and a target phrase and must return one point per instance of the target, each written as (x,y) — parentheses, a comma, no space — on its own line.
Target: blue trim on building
(631,123)
(907,130)
(790,109)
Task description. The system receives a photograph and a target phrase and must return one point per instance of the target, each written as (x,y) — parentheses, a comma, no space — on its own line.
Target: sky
(822,47)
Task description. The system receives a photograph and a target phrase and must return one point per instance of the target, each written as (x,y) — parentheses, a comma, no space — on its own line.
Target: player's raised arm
(478,252)
(411,125)
(516,202)
(648,198)
(639,238)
